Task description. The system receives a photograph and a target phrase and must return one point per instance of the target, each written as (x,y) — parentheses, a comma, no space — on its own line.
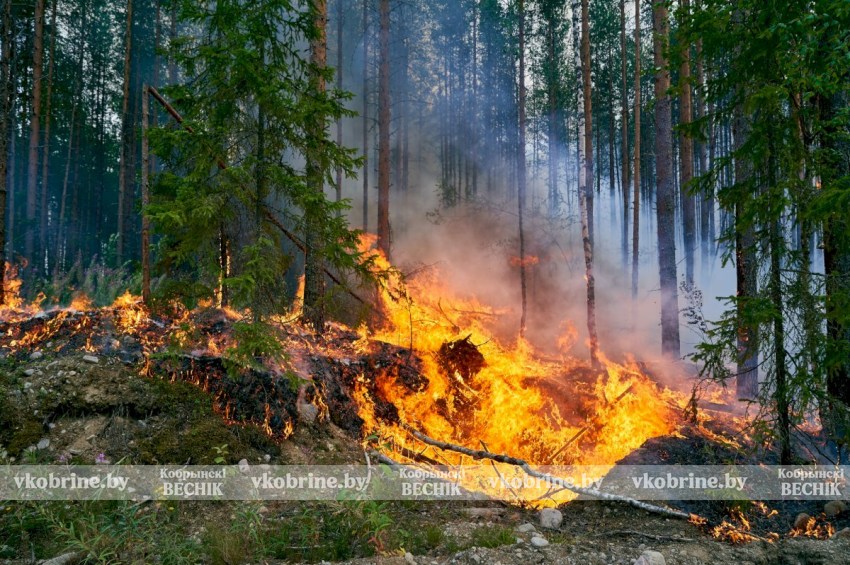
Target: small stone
(267,457)
(801,521)
(43,444)
(307,412)
(526,528)
(550,518)
(28,384)
(538,541)
(91,359)
(244,467)
(834,507)
(408,558)
(36,355)
(650,557)
(842,534)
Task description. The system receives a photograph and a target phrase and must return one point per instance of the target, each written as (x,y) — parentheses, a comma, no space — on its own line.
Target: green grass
(492,536)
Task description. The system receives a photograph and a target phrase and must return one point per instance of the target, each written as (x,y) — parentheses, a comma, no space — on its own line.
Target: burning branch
(507,459)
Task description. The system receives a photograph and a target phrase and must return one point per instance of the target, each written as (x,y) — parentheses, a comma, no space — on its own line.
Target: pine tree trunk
(314,280)
(340,10)
(35,117)
(172,38)
(706,202)
(686,149)
(44,260)
(146,267)
(746,271)
(837,270)
(6,95)
(636,196)
(521,173)
(365,115)
(665,195)
(125,173)
(554,141)
(585,172)
(624,142)
(384,131)
(588,120)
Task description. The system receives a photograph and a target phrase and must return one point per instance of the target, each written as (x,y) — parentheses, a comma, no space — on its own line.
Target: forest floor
(69,407)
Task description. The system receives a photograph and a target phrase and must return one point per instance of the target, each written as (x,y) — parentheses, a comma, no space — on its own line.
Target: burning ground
(124,383)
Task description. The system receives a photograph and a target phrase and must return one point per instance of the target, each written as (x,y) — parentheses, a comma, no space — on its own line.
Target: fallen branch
(586,428)
(643,535)
(507,459)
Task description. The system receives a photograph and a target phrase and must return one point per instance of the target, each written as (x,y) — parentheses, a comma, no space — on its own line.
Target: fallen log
(507,459)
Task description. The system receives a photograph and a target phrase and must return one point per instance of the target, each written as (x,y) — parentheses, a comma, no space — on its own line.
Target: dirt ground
(57,408)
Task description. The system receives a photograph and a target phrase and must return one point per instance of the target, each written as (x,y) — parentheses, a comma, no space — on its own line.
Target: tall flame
(512,404)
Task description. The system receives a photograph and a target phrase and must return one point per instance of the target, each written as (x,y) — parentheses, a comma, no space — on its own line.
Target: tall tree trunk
(474,111)
(706,202)
(314,280)
(45,159)
(585,171)
(340,10)
(624,142)
(384,131)
(365,115)
(125,173)
(172,38)
(6,95)
(745,268)
(146,267)
(35,117)
(777,245)
(665,195)
(686,147)
(636,197)
(521,173)
(588,118)
(554,141)
(837,270)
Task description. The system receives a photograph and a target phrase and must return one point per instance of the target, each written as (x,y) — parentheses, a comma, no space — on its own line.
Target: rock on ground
(550,518)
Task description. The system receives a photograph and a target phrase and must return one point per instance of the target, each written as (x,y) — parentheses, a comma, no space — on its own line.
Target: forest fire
(468,386)
(505,397)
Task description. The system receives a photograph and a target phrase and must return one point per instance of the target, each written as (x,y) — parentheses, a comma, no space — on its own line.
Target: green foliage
(252,116)
(253,343)
(779,66)
(104,532)
(492,536)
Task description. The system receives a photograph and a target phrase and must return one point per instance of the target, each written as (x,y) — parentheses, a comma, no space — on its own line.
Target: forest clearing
(390,281)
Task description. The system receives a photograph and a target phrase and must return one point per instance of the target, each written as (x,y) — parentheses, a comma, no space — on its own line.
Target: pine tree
(259,90)
(665,195)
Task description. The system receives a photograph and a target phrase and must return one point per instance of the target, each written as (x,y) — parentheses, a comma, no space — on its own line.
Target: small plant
(492,536)
(254,342)
(221,454)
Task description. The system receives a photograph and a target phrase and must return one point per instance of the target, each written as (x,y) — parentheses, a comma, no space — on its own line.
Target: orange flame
(509,406)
